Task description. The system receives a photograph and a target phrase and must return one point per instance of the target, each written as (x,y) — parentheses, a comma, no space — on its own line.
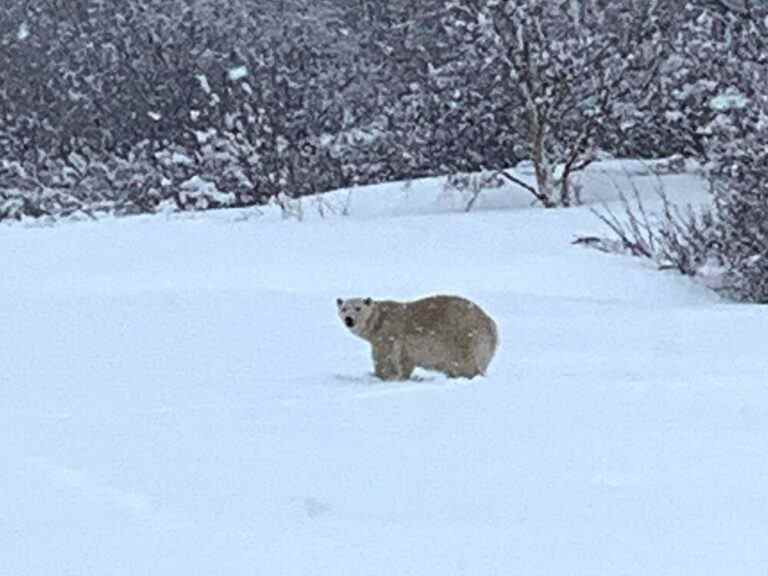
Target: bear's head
(355,312)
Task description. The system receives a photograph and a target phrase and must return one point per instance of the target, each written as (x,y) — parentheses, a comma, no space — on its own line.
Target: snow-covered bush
(44,202)
(725,246)
(738,150)
(719,103)
(741,188)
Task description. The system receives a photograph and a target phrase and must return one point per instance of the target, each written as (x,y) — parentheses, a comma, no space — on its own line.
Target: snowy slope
(177,397)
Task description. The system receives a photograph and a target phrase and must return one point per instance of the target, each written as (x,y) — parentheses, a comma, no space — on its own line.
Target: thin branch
(546,202)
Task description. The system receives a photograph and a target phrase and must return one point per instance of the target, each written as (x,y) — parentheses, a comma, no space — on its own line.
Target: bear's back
(445,312)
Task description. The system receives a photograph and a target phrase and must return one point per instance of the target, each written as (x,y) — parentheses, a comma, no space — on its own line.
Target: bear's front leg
(388,361)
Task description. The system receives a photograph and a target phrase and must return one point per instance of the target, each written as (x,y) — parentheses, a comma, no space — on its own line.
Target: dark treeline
(119,103)
(125,106)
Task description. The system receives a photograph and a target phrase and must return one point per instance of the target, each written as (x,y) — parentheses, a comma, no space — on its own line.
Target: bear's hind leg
(461,370)
(407,365)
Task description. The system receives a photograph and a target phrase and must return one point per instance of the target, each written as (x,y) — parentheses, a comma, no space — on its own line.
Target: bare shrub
(470,186)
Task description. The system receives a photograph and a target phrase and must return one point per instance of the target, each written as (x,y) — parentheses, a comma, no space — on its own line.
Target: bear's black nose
(349,322)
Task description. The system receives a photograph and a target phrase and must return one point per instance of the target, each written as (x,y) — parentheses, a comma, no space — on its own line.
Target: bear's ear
(367,301)
(339,302)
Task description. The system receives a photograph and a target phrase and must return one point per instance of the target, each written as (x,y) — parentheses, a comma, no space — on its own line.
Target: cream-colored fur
(447,334)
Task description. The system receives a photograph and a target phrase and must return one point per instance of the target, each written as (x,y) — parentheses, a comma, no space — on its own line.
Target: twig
(539,196)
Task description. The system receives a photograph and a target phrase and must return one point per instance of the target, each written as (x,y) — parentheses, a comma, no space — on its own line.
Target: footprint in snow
(315,508)
(371,379)
(376,388)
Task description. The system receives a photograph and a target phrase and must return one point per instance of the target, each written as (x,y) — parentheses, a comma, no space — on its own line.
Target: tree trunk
(541,165)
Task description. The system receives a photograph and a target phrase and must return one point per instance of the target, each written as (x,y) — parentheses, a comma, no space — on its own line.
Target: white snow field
(177,397)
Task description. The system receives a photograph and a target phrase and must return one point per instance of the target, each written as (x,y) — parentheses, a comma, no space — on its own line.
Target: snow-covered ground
(177,397)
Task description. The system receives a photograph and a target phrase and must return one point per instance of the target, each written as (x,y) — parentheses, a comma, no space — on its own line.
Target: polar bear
(448,334)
